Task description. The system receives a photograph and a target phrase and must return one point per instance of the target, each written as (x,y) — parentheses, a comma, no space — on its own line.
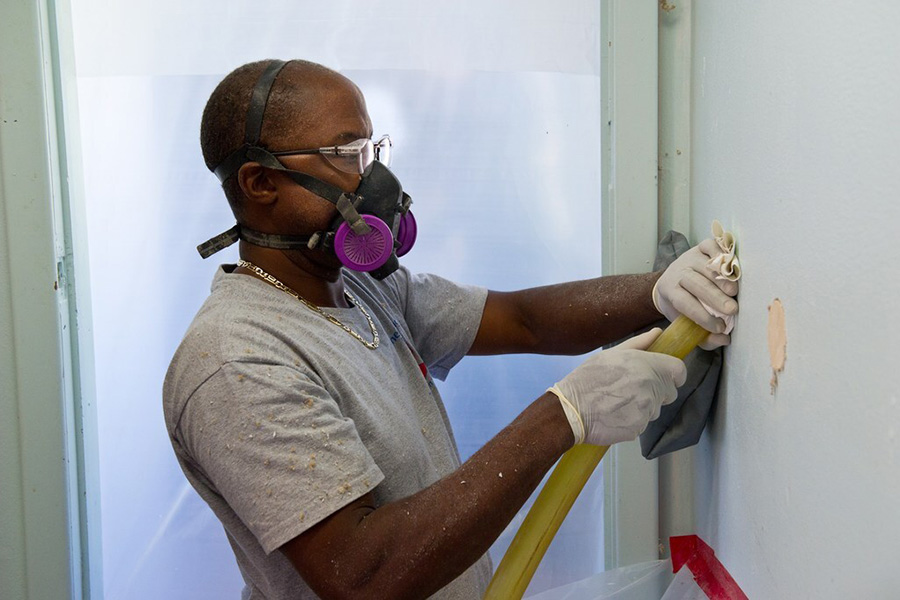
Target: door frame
(629,221)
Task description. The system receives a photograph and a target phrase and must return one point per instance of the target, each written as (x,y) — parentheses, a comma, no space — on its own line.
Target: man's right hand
(615,393)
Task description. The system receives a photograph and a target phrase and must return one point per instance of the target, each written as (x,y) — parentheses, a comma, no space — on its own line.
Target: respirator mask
(374,225)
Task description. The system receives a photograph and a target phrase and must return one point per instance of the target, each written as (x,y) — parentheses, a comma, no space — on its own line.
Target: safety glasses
(355,157)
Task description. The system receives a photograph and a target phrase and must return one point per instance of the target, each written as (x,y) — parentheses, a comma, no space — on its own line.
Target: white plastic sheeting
(494,108)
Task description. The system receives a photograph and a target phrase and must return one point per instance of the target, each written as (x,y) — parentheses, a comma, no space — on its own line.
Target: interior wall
(795,147)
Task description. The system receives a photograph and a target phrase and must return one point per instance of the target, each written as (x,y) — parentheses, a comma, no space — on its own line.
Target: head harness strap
(255,113)
(258,101)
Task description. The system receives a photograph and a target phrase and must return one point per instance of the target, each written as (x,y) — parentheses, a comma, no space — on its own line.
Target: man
(301,404)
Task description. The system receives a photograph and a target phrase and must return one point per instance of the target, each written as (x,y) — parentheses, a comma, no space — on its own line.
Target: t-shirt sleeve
(443,318)
(276,447)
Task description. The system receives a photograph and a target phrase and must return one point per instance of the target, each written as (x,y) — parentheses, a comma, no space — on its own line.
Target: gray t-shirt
(279,417)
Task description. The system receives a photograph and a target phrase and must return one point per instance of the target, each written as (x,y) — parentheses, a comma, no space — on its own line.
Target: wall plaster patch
(777,341)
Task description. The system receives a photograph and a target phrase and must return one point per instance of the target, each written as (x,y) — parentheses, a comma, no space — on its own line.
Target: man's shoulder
(224,330)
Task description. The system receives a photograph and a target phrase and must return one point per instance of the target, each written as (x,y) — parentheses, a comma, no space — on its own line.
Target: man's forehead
(332,111)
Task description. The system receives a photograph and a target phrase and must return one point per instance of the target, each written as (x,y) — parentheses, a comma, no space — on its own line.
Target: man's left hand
(687,282)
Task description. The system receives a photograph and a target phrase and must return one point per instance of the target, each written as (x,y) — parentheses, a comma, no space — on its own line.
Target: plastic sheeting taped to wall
(699,575)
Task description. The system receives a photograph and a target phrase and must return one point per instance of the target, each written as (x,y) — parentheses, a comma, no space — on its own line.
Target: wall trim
(629,219)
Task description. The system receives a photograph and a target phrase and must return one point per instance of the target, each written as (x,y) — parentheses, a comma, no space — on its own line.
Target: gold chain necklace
(270,279)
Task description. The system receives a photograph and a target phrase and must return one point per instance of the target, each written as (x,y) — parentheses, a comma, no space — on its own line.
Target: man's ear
(256,183)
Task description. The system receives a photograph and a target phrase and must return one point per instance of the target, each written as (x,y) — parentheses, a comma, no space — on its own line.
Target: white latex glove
(688,282)
(615,393)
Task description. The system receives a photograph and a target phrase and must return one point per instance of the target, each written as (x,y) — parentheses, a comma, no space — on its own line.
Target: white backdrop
(494,109)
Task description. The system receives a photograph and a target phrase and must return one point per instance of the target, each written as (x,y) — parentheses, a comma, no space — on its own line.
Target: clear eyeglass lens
(356,157)
(343,162)
(383,150)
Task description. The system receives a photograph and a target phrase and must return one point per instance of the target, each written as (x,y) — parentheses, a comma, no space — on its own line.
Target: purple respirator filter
(369,251)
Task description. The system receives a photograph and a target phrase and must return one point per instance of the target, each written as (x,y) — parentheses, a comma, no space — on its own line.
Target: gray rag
(680,423)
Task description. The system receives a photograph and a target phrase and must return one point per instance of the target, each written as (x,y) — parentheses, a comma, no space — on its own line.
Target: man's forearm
(413,547)
(567,318)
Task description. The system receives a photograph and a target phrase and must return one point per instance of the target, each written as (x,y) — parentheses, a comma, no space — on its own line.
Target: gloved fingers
(727,286)
(679,375)
(655,409)
(641,342)
(687,304)
(689,275)
(706,291)
(711,250)
(716,340)
(671,373)
(709,247)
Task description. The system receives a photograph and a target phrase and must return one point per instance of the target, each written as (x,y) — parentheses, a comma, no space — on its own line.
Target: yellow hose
(679,338)
(565,483)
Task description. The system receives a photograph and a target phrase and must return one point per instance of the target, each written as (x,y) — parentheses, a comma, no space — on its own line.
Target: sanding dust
(777,341)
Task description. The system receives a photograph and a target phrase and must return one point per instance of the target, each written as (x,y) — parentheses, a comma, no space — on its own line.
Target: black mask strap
(258,238)
(258,101)
(220,242)
(277,241)
(259,98)
(316,186)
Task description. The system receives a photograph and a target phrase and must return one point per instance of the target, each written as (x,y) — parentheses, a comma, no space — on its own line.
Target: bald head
(298,99)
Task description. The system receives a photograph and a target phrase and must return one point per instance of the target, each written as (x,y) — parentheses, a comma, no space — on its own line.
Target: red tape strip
(710,575)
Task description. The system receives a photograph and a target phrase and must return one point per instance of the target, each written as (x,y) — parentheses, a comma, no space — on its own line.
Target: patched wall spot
(777,340)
